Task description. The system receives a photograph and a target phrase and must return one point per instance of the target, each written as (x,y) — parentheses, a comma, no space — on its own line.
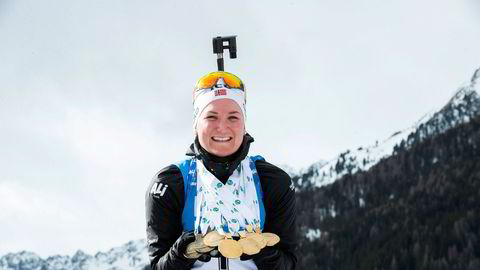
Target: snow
(474,82)
(361,202)
(360,159)
(289,170)
(333,213)
(131,256)
(313,234)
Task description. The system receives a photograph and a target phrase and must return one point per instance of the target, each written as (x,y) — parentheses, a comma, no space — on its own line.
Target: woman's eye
(233,118)
(211,117)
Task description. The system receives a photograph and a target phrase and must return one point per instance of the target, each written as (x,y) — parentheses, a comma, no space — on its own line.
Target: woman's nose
(222,125)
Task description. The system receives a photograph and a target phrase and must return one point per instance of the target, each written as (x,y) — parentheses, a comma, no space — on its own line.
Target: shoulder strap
(258,187)
(184,167)
(257,157)
(188,170)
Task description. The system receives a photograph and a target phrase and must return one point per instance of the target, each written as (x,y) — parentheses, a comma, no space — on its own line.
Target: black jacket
(164,209)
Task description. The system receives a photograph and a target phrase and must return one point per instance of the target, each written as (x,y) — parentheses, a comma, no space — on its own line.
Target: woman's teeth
(221,139)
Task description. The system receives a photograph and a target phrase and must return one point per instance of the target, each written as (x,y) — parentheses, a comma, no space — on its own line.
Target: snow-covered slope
(131,256)
(460,109)
(288,169)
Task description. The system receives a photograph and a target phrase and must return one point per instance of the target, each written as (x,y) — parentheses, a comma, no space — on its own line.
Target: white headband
(203,97)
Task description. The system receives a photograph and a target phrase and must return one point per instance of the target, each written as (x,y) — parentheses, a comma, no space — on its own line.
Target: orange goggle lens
(211,79)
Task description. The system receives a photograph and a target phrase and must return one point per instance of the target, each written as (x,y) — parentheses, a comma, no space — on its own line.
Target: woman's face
(220,127)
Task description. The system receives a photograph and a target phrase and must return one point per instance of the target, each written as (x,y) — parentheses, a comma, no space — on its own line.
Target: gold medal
(193,255)
(191,248)
(204,249)
(213,238)
(272,239)
(191,251)
(230,248)
(249,246)
(200,246)
(257,237)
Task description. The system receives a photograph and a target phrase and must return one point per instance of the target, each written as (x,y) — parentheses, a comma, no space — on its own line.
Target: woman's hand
(175,257)
(180,246)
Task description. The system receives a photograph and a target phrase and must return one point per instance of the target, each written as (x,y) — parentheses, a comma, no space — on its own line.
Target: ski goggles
(210,80)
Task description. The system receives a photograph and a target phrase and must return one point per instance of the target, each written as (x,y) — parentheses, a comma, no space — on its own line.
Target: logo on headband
(221,92)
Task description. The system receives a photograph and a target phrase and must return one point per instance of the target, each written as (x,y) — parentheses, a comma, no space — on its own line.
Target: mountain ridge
(460,108)
(131,255)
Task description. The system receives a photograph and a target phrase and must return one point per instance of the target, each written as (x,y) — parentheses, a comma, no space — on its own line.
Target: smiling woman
(221,194)
(221,127)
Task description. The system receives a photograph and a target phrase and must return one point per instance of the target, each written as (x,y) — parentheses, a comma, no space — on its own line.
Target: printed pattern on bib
(229,207)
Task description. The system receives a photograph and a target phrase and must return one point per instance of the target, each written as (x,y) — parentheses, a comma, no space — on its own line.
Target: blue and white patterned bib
(229,207)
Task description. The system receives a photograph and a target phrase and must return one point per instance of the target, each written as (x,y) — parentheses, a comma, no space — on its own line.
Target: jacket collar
(221,167)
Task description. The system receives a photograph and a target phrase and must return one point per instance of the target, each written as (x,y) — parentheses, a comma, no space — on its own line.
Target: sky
(95,96)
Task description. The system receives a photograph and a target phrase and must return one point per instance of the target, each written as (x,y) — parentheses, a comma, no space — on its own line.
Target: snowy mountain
(416,209)
(464,105)
(131,256)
